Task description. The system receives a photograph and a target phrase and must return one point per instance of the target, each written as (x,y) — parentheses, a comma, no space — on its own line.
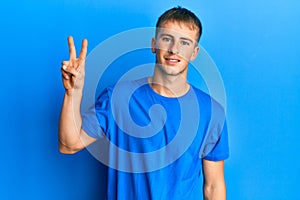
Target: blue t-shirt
(154,145)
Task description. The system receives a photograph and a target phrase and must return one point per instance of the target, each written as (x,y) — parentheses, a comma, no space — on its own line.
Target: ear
(195,53)
(153,48)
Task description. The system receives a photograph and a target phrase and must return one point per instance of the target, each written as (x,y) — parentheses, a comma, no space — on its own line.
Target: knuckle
(65,62)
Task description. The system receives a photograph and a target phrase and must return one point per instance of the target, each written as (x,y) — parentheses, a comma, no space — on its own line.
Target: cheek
(162,46)
(186,55)
(159,55)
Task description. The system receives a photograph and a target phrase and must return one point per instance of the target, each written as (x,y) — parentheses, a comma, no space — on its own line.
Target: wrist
(73,92)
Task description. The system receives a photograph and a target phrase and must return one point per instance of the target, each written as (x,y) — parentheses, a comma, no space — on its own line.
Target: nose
(173,48)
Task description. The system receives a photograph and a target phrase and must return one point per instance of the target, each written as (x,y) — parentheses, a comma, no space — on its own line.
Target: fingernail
(64,67)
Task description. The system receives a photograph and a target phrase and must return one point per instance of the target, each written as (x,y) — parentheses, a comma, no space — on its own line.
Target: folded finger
(70,70)
(65,62)
(65,75)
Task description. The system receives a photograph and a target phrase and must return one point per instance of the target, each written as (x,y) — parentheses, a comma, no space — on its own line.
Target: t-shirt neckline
(165,97)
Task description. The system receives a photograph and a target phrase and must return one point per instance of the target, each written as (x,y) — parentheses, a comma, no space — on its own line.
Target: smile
(172,60)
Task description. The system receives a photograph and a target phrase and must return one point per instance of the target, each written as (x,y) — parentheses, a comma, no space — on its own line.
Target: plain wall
(255,45)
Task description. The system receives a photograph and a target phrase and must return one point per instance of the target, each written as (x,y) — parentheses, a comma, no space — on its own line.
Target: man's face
(175,45)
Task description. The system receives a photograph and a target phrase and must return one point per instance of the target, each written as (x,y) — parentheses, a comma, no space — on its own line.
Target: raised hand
(73,70)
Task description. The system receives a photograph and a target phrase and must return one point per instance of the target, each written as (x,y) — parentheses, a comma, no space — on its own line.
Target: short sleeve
(218,148)
(215,145)
(95,119)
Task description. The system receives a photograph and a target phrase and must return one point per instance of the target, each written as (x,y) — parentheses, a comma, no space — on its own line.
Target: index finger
(83,50)
(72,49)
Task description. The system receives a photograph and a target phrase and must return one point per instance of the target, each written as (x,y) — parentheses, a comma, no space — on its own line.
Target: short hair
(182,15)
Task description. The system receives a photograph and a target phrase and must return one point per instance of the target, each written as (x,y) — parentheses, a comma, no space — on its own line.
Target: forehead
(178,29)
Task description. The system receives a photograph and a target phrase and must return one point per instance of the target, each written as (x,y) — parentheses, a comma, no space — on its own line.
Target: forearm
(215,191)
(70,121)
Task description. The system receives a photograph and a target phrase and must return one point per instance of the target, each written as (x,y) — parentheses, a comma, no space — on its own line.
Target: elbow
(215,191)
(67,150)
(207,191)
(64,151)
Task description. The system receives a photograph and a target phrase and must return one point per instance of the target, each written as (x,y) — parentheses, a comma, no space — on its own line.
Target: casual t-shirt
(154,145)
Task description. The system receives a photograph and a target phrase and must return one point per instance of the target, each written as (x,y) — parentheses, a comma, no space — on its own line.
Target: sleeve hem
(217,158)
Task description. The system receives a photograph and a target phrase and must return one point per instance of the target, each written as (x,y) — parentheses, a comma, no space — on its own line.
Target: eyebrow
(182,38)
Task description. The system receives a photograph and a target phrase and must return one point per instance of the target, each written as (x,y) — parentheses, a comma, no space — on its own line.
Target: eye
(185,43)
(166,39)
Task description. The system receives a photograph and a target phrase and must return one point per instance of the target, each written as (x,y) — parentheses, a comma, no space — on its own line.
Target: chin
(174,72)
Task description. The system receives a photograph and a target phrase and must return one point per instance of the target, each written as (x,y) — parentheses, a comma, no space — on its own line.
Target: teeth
(173,60)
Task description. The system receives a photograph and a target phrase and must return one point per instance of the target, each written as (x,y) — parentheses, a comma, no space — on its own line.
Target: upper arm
(83,141)
(213,170)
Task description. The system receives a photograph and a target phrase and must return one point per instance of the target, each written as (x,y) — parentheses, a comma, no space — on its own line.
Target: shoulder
(130,84)
(210,107)
(122,90)
(207,100)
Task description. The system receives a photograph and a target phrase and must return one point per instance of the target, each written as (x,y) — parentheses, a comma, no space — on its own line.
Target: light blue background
(254,43)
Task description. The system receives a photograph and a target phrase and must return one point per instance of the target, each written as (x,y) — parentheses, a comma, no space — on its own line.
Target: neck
(169,85)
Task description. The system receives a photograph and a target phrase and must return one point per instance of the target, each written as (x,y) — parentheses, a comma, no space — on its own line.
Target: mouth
(172,60)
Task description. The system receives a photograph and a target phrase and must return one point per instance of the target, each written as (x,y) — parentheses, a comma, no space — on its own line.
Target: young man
(187,111)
